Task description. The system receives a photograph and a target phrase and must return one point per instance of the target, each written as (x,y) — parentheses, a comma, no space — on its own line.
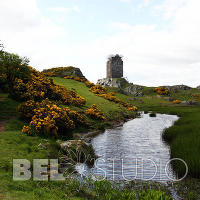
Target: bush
(95,113)
(48,118)
(12,66)
(161,91)
(63,71)
(97,89)
(176,101)
(110,96)
(133,108)
(40,87)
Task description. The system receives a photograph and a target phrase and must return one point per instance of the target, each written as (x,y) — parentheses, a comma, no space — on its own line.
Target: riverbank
(14,144)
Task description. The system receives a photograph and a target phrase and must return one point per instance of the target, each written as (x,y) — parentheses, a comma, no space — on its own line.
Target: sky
(159,39)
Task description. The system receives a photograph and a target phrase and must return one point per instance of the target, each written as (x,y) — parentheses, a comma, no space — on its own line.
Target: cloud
(76,9)
(145,3)
(58,9)
(169,8)
(152,56)
(64,10)
(26,32)
(125,1)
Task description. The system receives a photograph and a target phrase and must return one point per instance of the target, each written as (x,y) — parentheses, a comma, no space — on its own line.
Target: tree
(13,66)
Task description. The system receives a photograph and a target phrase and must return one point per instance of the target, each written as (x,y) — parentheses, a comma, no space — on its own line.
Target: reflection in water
(135,151)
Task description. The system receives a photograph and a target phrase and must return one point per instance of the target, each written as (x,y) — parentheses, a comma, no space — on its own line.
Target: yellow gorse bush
(95,113)
(39,87)
(49,118)
(161,91)
(81,79)
(97,89)
(53,71)
(176,101)
(133,108)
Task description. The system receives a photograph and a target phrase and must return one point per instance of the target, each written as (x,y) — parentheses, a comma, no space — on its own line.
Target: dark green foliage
(12,66)
(106,190)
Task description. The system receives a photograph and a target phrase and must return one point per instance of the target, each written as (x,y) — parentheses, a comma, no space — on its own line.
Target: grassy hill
(113,112)
(46,102)
(14,145)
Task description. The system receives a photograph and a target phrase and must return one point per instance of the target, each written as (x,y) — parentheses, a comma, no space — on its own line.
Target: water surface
(135,151)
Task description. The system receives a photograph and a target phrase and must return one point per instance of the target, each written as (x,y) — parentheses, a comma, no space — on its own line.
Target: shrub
(133,108)
(110,96)
(67,96)
(161,91)
(176,101)
(47,118)
(81,79)
(40,87)
(97,89)
(12,66)
(89,84)
(95,113)
(56,70)
(26,109)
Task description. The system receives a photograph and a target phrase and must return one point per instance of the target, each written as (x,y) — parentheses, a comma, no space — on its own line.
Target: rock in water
(78,151)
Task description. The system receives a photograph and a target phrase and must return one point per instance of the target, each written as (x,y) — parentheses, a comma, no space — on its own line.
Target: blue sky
(159,39)
(93,18)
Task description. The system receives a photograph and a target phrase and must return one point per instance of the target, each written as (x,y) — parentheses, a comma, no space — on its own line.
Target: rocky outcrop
(124,86)
(112,82)
(176,88)
(135,90)
(64,71)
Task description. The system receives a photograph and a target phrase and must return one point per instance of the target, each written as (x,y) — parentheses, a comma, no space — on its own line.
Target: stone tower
(115,67)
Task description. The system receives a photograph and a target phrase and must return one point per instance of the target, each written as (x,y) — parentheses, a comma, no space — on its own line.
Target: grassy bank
(184,136)
(15,145)
(113,112)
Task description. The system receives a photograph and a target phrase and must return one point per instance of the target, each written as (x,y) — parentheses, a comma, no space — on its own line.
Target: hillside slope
(112,110)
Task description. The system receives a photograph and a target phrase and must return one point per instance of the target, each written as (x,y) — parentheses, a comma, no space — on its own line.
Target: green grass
(16,145)
(91,98)
(7,107)
(184,136)
(112,110)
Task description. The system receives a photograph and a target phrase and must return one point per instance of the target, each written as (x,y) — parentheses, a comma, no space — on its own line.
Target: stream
(134,151)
